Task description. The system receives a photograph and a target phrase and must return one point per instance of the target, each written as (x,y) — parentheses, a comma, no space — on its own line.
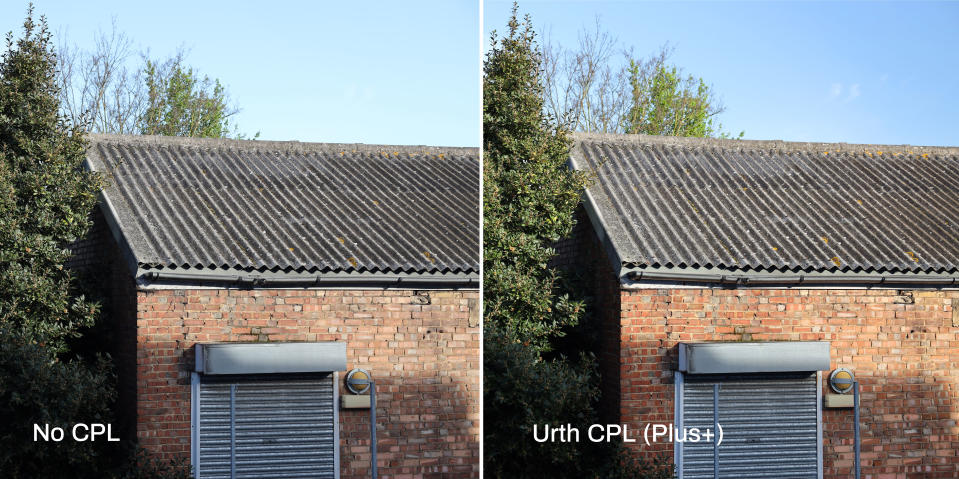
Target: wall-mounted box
(837,401)
(355,401)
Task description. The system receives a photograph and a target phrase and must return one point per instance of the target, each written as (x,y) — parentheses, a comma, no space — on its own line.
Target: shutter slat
(282,428)
(769,424)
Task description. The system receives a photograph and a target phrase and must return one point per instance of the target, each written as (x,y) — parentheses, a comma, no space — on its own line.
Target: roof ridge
(733,144)
(270,145)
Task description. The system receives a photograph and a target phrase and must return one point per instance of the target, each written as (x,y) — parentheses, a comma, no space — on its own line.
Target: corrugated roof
(202,204)
(773,206)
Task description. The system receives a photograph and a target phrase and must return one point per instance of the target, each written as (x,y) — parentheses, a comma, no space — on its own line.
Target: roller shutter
(770,424)
(266,426)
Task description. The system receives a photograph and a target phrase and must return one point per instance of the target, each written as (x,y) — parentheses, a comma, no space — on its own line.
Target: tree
(34,389)
(529,194)
(529,199)
(584,89)
(666,103)
(179,103)
(46,196)
(602,87)
(522,390)
(97,88)
(160,97)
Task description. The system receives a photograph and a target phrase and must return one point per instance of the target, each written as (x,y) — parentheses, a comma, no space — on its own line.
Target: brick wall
(421,346)
(902,345)
(88,252)
(119,311)
(568,250)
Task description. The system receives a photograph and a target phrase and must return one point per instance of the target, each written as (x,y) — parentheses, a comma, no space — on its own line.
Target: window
(265,426)
(266,410)
(771,425)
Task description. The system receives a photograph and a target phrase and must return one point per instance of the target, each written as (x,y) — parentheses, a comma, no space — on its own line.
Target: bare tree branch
(97,88)
(101,91)
(586,88)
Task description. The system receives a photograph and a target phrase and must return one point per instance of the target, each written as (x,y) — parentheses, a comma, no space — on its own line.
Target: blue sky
(857,72)
(408,72)
(381,72)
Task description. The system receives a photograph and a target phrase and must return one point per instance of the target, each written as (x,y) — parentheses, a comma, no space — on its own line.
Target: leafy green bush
(623,465)
(521,390)
(36,388)
(143,465)
(529,199)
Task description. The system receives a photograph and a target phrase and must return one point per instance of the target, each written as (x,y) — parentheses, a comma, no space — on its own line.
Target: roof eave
(632,276)
(112,217)
(600,225)
(152,279)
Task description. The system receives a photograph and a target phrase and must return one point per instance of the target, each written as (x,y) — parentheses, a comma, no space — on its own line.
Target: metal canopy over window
(247,424)
(266,358)
(753,357)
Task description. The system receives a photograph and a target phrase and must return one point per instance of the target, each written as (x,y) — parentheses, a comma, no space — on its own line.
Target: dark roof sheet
(774,206)
(201,204)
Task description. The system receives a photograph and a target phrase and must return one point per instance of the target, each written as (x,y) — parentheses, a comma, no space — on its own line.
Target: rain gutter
(822,279)
(324,281)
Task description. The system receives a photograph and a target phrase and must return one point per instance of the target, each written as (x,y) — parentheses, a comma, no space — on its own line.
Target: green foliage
(520,390)
(667,103)
(36,389)
(529,198)
(623,465)
(98,90)
(529,194)
(46,196)
(144,465)
(180,103)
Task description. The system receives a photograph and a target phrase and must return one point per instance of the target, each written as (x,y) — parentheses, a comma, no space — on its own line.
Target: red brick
(430,347)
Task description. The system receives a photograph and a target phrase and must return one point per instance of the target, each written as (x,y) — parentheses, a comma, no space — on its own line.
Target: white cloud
(853,92)
(356,93)
(835,90)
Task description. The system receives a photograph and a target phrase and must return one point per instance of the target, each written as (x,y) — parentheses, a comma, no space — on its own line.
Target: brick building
(244,277)
(740,273)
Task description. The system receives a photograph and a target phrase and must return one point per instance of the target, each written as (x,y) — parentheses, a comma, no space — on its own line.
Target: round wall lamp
(358,381)
(841,380)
